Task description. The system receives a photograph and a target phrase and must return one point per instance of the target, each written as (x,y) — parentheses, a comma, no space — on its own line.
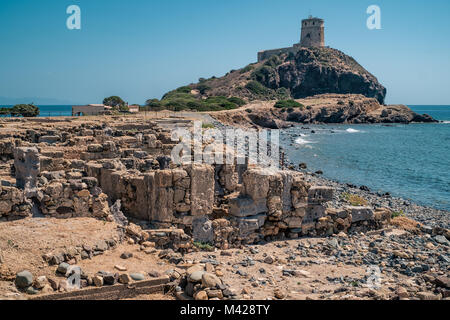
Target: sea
(409,161)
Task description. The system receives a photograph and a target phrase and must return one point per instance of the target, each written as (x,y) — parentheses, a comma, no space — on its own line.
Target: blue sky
(140,49)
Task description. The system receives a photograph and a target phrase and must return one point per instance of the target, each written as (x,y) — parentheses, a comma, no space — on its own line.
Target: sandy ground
(24,242)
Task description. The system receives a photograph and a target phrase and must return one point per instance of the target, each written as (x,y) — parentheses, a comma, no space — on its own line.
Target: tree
(24,110)
(124,108)
(115,102)
(154,105)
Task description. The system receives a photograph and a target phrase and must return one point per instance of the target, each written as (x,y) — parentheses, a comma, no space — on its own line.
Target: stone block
(246,206)
(256,183)
(202,229)
(314,213)
(360,213)
(163,178)
(202,189)
(48,139)
(319,195)
(27,165)
(250,224)
(287,178)
(293,222)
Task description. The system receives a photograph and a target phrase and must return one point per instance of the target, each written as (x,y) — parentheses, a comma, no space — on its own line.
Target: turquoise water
(409,161)
(55,111)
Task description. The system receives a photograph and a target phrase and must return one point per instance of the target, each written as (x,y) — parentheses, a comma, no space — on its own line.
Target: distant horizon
(159,46)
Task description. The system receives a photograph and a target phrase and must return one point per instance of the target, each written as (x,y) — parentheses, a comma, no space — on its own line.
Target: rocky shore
(320,109)
(426,215)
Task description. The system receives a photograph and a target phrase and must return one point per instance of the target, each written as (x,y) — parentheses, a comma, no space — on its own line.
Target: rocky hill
(325,108)
(308,72)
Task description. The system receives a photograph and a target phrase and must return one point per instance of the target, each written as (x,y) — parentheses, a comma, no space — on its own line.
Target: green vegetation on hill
(183,99)
(296,74)
(259,91)
(267,71)
(23,110)
(281,104)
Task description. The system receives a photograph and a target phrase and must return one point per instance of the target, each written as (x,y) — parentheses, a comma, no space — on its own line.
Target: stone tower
(313,32)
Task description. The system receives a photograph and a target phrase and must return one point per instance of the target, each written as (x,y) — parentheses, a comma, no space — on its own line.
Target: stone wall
(263,55)
(82,171)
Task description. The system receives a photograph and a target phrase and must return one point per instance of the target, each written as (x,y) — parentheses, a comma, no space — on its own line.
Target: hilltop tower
(313,32)
(313,35)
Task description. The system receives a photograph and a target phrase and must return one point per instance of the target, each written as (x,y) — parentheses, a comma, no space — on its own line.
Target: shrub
(354,199)
(179,100)
(273,62)
(24,110)
(290,56)
(202,87)
(263,73)
(204,246)
(247,69)
(184,89)
(208,126)
(396,214)
(237,101)
(256,88)
(283,93)
(288,104)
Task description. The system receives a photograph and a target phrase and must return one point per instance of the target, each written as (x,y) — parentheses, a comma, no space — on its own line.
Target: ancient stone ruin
(121,171)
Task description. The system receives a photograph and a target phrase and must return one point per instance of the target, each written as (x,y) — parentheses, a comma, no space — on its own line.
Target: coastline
(427,215)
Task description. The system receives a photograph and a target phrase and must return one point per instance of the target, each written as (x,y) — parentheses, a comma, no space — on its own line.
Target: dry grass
(406,224)
(354,199)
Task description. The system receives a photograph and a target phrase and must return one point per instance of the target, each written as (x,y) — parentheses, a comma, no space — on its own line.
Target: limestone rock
(40,282)
(360,213)
(210,280)
(201,295)
(124,278)
(24,279)
(27,165)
